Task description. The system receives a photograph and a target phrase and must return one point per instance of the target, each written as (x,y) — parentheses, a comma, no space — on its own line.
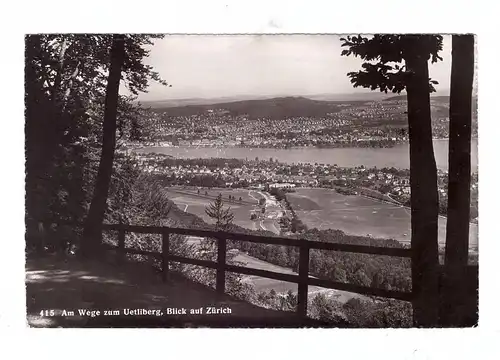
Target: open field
(197,205)
(248,197)
(357,215)
(189,200)
(264,284)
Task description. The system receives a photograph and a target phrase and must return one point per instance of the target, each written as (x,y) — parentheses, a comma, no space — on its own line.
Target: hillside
(435,96)
(440,100)
(396,98)
(276,108)
(216,101)
(170,103)
(358,96)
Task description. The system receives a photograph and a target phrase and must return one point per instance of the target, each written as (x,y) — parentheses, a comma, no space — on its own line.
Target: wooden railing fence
(422,315)
(302,279)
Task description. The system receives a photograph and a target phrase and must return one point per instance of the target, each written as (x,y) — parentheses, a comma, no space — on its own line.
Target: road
(273,212)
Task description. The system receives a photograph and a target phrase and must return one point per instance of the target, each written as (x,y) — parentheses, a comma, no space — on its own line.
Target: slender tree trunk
(32,144)
(57,89)
(32,43)
(423,183)
(459,175)
(41,134)
(93,226)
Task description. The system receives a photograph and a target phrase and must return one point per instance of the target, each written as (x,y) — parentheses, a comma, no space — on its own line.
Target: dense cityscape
(354,124)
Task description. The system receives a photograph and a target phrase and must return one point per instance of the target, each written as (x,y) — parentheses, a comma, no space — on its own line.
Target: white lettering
(90,313)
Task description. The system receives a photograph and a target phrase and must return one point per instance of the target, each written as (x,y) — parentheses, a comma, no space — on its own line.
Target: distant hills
(169,103)
(268,107)
(275,108)
(444,98)
(347,97)
(361,96)
(396,98)
(162,104)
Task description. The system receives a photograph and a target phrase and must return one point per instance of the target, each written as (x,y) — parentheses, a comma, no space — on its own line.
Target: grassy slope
(356,215)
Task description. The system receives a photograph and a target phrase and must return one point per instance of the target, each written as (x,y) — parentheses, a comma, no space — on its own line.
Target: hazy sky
(207,66)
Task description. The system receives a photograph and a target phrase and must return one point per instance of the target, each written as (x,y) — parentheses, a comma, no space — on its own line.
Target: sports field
(357,215)
(189,200)
(249,197)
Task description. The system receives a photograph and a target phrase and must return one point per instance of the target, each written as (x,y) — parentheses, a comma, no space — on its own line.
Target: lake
(397,156)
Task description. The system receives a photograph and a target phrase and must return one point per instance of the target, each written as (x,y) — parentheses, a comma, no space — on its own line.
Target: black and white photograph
(251,180)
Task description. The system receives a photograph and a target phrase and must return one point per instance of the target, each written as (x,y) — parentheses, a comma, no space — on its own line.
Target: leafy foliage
(355,313)
(65,90)
(384,272)
(384,68)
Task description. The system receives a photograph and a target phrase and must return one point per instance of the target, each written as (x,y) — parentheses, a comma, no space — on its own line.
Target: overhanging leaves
(385,68)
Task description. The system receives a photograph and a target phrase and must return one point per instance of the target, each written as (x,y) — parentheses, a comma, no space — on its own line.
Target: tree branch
(59,70)
(70,84)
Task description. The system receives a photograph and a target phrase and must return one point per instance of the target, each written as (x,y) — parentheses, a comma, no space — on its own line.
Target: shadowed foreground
(57,283)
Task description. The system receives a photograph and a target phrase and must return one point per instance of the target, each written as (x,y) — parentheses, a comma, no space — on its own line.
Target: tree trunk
(459,176)
(93,226)
(423,184)
(41,126)
(33,149)
(56,89)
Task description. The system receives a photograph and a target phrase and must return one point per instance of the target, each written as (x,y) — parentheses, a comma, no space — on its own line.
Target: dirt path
(69,284)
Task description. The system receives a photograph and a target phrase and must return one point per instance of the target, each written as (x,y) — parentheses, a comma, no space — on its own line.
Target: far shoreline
(137,147)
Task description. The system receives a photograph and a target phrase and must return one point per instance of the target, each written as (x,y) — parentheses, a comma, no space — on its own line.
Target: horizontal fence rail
(361,249)
(303,279)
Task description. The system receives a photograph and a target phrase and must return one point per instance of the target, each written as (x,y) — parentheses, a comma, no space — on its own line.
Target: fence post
(221,265)
(121,244)
(165,246)
(303,279)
